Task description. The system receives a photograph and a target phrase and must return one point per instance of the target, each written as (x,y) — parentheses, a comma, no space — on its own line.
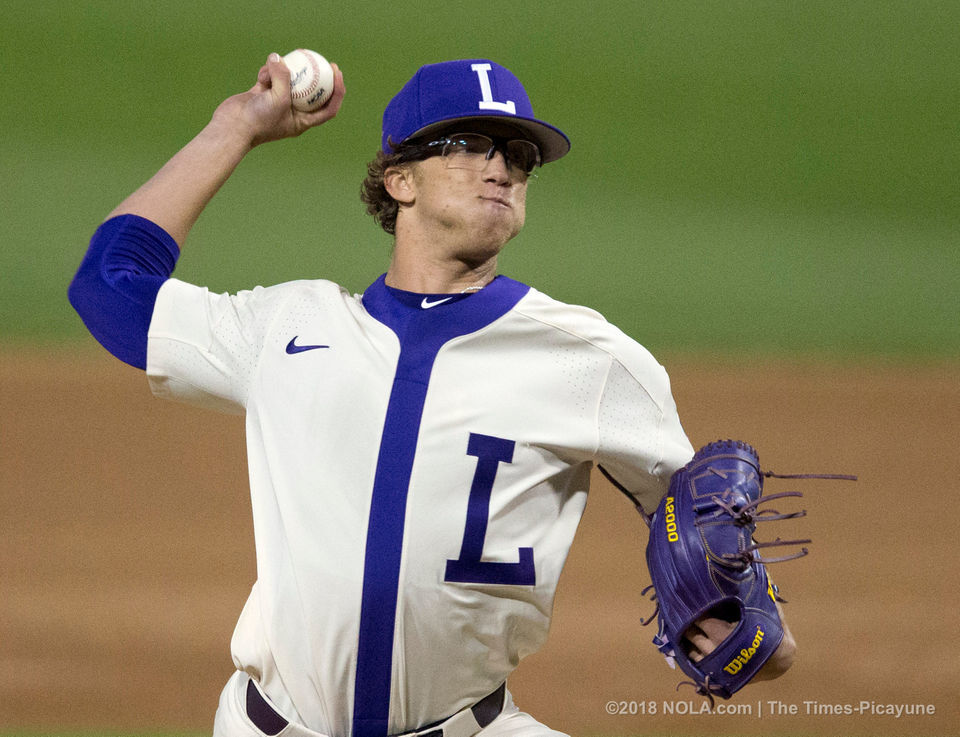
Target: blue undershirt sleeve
(115,288)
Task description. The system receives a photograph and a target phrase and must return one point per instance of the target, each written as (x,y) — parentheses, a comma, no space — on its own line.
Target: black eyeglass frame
(439,147)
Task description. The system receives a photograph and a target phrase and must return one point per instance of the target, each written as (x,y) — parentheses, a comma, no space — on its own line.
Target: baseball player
(419,454)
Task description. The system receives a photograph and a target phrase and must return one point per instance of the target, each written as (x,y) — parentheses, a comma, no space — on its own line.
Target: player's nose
(496,169)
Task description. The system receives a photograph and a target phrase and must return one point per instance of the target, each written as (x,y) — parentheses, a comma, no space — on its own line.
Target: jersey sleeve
(203,348)
(641,440)
(129,258)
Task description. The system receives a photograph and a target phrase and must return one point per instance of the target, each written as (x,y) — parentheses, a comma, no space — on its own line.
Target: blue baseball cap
(477,92)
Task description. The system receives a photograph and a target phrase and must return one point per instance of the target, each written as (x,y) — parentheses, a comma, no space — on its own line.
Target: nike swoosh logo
(427,304)
(292,346)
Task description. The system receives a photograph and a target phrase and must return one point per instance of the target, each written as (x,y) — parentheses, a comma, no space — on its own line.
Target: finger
(264,80)
(716,629)
(706,635)
(332,106)
(339,88)
(278,76)
(263,77)
(699,644)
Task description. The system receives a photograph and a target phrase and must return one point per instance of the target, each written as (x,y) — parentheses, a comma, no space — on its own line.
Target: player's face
(473,199)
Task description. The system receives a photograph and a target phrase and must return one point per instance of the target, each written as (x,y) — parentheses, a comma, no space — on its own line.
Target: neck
(432,271)
(440,279)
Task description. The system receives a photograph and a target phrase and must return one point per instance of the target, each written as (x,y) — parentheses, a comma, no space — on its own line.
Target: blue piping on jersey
(422,333)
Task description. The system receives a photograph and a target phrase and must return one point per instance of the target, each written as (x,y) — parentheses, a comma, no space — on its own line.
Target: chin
(492,241)
(492,233)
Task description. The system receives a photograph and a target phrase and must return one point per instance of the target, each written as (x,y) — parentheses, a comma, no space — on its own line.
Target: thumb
(276,76)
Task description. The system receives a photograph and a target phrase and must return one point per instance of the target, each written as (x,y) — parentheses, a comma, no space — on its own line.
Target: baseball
(311,79)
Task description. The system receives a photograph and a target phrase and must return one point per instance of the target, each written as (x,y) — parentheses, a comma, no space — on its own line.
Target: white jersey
(417,472)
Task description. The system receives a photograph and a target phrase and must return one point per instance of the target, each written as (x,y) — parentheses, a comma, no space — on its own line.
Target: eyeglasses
(473,151)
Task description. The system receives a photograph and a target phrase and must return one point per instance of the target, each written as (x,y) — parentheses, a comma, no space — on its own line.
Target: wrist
(230,137)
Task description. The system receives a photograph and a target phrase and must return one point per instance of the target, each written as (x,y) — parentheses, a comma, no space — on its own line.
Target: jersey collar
(461,315)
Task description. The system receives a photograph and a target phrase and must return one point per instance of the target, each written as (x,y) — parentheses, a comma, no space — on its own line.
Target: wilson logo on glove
(745,655)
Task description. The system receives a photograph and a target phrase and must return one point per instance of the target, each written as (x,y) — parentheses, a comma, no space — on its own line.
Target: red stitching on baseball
(316,76)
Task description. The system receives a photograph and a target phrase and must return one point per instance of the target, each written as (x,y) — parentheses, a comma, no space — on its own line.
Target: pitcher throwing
(419,454)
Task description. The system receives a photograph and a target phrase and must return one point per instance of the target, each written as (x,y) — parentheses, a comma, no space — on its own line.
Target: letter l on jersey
(468,568)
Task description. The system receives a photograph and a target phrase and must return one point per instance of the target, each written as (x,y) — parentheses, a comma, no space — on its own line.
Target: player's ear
(399,183)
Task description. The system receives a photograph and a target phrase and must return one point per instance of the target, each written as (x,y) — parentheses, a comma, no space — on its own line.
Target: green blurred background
(775,177)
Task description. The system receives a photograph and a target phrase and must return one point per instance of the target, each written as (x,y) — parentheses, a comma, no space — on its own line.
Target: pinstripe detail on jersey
(422,333)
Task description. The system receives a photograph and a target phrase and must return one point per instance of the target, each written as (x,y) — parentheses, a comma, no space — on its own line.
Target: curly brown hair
(374,194)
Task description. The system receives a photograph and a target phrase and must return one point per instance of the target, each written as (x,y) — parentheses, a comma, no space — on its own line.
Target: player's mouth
(498,201)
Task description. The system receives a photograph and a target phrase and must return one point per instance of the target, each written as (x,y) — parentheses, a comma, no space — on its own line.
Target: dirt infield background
(127,554)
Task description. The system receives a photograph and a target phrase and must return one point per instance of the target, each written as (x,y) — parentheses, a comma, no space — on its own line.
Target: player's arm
(176,195)
(135,250)
(619,459)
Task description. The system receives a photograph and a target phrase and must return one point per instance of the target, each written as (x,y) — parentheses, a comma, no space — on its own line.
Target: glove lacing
(706,689)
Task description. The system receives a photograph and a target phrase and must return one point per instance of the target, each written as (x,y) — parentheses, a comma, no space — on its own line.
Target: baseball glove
(704,561)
